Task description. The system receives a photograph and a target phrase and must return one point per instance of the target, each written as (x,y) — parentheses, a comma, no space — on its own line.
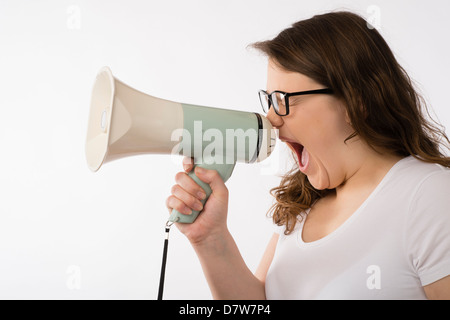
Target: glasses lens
(279,102)
(264,98)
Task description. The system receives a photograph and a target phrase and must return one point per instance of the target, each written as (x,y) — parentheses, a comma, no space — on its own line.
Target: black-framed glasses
(281,100)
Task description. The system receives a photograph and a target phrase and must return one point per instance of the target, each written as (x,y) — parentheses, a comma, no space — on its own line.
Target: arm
(267,258)
(439,290)
(224,268)
(226,272)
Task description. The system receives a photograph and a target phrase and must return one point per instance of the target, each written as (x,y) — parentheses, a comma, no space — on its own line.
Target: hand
(185,197)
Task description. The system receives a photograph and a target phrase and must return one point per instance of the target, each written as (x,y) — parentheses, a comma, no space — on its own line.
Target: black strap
(164,260)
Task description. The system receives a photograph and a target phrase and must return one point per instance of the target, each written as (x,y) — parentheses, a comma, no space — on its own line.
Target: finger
(188,164)
(214,180)
(173,202)
(188,184)
(188,199)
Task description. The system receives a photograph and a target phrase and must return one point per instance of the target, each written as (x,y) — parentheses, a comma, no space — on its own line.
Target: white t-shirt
(394,244)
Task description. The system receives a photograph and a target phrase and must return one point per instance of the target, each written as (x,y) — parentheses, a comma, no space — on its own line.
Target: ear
(347,118)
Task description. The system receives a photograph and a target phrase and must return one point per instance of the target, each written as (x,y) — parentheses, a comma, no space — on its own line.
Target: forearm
(225,270)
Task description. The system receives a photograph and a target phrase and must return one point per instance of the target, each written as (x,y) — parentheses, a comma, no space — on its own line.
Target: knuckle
(225,193)
(177,204)
(180,175)
(174,189)
(215,174)
(169,202)
(188,161)
(189,200)
(182,201)
(193,202)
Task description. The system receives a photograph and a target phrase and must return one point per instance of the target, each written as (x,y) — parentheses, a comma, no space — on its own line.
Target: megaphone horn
(125,122)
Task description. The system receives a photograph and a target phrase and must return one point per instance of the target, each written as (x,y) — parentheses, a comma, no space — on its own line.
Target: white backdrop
(66,233)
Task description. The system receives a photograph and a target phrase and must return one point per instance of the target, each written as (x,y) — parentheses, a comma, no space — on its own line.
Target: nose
(274,119)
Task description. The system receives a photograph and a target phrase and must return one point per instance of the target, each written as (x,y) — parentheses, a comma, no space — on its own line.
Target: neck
(365,171)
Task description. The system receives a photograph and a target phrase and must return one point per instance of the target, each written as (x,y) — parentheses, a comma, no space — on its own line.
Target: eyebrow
(304,92)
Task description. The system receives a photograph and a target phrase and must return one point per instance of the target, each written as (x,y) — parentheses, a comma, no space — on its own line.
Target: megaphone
(125,122)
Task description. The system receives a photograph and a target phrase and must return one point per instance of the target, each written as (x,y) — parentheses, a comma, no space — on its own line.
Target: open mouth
(297,148)
(300,151)
(302,154)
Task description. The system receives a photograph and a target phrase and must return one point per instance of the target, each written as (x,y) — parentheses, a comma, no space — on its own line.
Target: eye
(280,99)
(294,100)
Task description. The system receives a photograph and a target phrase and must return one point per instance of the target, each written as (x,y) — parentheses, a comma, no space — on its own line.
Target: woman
(365,213)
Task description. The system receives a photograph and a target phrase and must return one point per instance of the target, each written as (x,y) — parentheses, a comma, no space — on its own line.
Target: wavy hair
(340,50)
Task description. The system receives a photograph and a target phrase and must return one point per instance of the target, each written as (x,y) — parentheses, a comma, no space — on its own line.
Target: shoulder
(420,191)
(432,183)
(419,176)
(428,221)
(428,211)
(425,187)
(411,182)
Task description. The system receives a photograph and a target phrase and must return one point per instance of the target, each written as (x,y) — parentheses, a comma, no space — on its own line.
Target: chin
(319,182)
(318,186)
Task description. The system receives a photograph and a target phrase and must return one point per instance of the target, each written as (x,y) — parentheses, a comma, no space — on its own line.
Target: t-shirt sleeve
(428,228)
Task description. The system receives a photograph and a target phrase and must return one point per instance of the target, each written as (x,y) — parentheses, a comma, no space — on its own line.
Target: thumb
(213,178)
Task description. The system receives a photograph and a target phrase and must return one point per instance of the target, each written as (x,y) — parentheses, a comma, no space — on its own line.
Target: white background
(67,233)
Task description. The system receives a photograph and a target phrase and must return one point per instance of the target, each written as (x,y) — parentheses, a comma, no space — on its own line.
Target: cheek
(329,154)
(323,131)
(327,136)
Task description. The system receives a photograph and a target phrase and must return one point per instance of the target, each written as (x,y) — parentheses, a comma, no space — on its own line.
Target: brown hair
(341,51)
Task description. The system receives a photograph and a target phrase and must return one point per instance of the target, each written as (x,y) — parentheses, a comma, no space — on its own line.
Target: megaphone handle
(224,170)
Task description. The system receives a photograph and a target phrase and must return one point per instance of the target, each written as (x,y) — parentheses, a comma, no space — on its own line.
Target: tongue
(305,157)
